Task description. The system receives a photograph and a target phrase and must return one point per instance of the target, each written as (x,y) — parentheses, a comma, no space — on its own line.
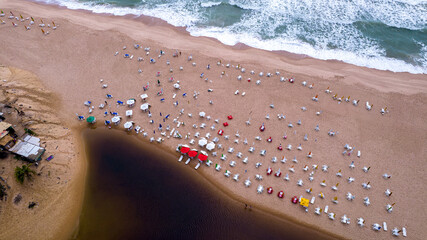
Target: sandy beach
(71,60)
(57,187)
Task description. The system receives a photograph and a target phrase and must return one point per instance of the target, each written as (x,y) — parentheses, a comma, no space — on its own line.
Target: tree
(22,172)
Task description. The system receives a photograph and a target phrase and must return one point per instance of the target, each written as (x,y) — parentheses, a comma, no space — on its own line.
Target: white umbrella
(144,96)
(210,146)
(203,142)
(115,120)
(128,125)
(130,102)
(176,86)
(129,113)
(145,106)
(202,114)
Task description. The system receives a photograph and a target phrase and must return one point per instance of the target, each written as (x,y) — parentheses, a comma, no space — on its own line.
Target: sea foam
(353,31)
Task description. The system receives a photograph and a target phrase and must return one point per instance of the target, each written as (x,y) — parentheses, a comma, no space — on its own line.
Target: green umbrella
(91,119)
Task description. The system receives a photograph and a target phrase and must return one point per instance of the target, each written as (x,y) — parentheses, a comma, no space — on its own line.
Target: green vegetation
(30,132)
(22,172)
(2,192)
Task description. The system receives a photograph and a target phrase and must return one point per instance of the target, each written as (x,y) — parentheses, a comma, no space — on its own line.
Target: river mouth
(136,190)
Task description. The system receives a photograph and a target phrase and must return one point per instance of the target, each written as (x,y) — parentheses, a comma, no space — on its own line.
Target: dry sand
(71,60)
(57,186)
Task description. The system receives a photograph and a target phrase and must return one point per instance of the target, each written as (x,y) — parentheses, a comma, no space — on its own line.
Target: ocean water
(382,34)
(137,191)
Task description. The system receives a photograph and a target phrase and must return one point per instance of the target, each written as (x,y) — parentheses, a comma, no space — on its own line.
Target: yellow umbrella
(304,202)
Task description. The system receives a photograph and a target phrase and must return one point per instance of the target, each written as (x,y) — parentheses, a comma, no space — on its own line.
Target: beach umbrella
(203,142)
(294,200)
(128,125)
(91,119)
(176,86)
(203,156)
(281,194)
(210,146)
(129,113)
(270,190)
(130,102)
(184,149)
(145,106)
(192,153)
(115,120)
(202,114)
(144,97)
(304,202)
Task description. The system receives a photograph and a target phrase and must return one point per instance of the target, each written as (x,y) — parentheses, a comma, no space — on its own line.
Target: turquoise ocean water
(382,34)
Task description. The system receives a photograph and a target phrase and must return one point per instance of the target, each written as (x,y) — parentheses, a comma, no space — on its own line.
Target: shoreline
(155,21)
(294,63)
(228,195)
(66,67)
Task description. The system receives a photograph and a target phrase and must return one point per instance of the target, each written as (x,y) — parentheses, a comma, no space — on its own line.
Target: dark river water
(138,191)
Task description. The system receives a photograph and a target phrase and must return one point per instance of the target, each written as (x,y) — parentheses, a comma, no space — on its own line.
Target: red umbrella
(294,200)
(281,194)
(230,117)
(270,190)
(192,153)
(269,171)
(203,156)
(220,132)
(225,124)
(184,149)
